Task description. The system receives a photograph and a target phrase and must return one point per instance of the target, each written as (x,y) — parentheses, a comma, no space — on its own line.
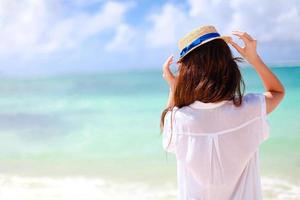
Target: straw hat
(198,37)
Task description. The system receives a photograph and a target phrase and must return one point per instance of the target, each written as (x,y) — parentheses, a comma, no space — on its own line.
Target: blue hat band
(198,41)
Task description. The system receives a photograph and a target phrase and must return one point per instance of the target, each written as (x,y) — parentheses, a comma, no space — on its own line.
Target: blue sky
(57,36)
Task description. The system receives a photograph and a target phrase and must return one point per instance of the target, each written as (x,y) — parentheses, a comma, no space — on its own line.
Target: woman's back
(214,130)
(216,145)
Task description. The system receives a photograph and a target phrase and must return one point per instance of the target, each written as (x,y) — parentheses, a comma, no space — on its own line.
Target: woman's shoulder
(254,102)
(253,98)
(177,113)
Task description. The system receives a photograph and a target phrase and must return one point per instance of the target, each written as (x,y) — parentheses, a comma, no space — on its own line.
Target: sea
(96,136)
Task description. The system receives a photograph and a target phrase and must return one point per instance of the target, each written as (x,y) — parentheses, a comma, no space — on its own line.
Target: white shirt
(217,148)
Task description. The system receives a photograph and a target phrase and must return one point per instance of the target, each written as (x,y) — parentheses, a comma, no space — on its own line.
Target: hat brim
(227,39)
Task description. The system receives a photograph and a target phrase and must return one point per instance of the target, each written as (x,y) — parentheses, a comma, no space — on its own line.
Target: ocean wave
(83,188)
(279,189)
(79,188)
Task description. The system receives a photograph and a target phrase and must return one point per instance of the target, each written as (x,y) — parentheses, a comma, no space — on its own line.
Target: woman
(213,128)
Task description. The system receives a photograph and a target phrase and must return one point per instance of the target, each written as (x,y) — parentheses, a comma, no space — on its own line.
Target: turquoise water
(106,126)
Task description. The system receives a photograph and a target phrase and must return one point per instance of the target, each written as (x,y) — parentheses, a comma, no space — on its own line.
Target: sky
(59,36)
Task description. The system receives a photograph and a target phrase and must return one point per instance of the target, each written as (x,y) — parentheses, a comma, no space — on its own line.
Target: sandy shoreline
(76,188)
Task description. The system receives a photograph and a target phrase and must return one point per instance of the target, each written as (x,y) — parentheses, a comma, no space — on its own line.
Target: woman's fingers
(168,62)
(167,73)
(249,50)
(243,36)
(237,47)
(248,36)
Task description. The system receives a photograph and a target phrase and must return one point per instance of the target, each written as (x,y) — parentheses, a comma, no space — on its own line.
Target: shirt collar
(199,104)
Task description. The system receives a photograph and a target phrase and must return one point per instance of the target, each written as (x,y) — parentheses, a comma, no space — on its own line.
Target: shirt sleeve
(168,136)
(265,132)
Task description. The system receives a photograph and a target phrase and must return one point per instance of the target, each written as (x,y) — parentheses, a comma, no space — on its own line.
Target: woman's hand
(274,89)
(170,78)
(167,73)
(249,50)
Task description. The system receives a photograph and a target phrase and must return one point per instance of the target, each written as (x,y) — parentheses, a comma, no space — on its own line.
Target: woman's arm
(274,88)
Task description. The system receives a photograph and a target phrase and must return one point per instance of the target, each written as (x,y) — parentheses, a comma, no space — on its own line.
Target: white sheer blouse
(217,148)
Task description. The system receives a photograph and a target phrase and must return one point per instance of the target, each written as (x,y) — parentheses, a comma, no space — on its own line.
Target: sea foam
(82,188)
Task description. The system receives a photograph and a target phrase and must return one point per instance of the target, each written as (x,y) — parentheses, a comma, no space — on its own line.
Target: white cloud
(124,39)
(35,26)
(84,2)
(173,21)
(215,12)
(267,20)
(21,24)
(166,25)
(72,31)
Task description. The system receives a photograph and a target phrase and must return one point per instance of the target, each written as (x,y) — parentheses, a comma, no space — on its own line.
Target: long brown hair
(208,74)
